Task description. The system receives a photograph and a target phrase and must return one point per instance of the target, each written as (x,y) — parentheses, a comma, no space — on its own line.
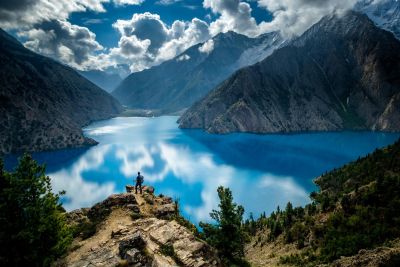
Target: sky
(132,35)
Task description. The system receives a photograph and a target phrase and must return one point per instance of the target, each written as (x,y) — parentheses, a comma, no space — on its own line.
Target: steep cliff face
(44,104)
(135,230)
(179,82)
(343,73)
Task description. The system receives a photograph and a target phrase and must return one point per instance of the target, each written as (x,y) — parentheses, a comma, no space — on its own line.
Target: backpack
(141,179)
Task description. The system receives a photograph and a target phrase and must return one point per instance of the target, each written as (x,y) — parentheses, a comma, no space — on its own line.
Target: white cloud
(183,57)
(25,13)
(128,2)
(235,15)
(147,41)
(207,47)
(71,44)
(294,17)
(167,2)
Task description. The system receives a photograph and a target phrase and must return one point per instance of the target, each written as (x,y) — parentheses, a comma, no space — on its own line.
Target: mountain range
(179,82)
(44,104)
(107,81)
(342,73)
(385,13)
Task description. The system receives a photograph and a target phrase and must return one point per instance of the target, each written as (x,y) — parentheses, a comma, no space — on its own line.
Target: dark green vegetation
(44,104)
(183,221)
(227,235)
(168,250)
(356,208)
(342,73)
(33,229)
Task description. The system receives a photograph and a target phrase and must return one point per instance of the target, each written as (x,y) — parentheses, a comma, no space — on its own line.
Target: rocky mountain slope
(103,79)
(385,13)
(179,82)
(44,104)
(342,73)
(135,230)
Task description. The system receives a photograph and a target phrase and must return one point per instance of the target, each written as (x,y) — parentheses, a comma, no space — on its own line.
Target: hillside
(179,82)
(44,104)
(103,79)
(342,73)
(352,221)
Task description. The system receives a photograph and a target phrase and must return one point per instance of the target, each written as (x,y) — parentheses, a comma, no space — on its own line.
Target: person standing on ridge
(139,182)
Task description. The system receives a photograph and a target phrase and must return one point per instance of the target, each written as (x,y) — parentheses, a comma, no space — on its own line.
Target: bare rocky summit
(44,104)
(342,73)
(135,230)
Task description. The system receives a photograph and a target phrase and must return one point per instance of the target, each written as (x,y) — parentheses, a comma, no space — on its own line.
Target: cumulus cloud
(235,15)
(25,13)
(207,47)
(294,17)
(147,41)
(71,44)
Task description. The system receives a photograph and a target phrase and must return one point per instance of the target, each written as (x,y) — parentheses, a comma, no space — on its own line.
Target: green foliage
(227,235)
(169,251)
(183,221)
(84,229)
(304,259)
(33,225)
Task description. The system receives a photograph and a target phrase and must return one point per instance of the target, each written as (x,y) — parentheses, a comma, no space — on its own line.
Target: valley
(264,133)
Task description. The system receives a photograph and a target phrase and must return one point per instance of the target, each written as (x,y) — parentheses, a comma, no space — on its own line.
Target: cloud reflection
(172,162)
(110,129)
(81,193)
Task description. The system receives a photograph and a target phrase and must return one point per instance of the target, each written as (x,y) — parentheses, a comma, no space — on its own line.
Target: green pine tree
(33,227)
(227,234)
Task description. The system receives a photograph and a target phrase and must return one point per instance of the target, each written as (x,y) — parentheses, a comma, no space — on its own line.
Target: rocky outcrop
(44,104)
(136,230)
(343,73)
(178,83)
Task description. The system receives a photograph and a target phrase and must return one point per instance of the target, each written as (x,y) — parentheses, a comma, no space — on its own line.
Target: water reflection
(262,171)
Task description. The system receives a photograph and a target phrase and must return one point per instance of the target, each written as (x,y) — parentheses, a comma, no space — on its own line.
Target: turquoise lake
(263,171)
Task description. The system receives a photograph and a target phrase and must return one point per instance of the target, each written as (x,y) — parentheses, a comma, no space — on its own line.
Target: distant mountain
(342,73)
(103,79)
(385,13)
(44,104)
(179,82)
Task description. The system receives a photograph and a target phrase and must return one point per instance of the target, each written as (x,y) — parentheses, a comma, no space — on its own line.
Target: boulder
(166,211)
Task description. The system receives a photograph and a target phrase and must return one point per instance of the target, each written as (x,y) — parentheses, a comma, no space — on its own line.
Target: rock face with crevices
(136,230)
(342,73)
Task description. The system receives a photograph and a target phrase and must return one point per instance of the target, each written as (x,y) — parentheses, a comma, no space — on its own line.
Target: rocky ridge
(342,73)
(177,83)
(44,104)
(135,230)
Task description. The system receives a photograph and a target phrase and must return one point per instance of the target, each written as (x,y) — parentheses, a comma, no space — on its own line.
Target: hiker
(139,182)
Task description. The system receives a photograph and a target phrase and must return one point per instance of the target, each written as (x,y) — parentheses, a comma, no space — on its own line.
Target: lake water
(263,171)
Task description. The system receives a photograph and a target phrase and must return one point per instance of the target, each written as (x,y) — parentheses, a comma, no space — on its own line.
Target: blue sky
(137,34)
(101,23)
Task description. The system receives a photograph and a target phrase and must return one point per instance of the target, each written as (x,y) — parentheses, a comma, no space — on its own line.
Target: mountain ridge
(44,103)
(333,77)
(177,83)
